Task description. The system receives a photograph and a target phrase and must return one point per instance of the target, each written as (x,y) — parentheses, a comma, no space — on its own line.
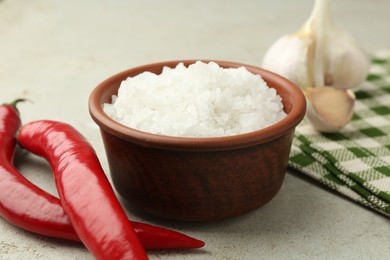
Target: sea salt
(201,100)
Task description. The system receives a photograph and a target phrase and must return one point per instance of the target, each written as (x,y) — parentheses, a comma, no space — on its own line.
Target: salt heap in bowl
(201,100)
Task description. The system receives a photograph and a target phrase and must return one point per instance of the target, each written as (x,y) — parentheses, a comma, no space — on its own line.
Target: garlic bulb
(320,55)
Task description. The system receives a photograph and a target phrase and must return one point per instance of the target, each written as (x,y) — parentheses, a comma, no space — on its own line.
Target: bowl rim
(147,139)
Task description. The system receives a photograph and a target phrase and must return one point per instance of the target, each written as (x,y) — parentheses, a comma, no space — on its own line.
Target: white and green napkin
(356,160)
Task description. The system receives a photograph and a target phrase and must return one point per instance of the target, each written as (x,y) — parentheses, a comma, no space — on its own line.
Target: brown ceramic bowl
(197,179)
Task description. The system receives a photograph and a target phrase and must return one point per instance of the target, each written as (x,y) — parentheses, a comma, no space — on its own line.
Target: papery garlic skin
(288,56)
(347,65)
(320,55)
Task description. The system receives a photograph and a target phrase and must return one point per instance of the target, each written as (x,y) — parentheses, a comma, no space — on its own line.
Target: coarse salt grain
(201,100)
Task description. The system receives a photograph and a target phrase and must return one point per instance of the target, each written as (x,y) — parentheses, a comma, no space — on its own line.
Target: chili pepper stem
(15,102)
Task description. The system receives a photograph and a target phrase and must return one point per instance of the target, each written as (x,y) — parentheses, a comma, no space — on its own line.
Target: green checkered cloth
(355,161)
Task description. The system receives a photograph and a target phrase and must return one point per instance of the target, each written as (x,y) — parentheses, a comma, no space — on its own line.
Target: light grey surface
(55,52)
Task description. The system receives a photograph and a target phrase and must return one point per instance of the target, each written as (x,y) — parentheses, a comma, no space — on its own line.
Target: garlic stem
(320,18)
(319,23)
(321,12)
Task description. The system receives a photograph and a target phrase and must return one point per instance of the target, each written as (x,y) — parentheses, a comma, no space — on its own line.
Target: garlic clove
(289,57)
(329,109)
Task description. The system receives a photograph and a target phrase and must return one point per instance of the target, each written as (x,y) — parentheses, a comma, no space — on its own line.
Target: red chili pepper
(20,203)
(29,207)
(85,193)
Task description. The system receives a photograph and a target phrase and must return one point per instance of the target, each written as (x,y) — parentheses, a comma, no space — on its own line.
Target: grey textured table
(55,52)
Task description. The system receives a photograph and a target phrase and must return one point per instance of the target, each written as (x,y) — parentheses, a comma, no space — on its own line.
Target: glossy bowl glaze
(197,179)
